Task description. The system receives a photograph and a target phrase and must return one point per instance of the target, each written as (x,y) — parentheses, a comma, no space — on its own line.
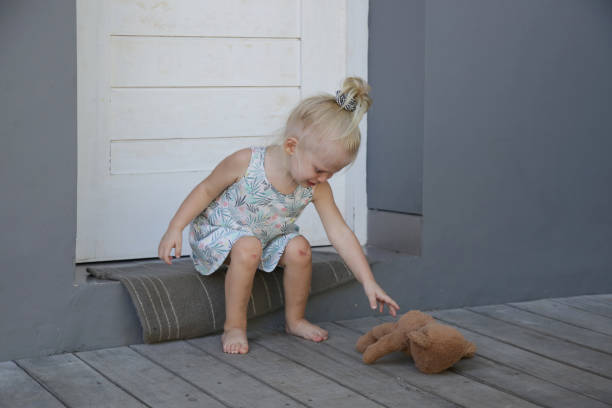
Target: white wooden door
(167,89)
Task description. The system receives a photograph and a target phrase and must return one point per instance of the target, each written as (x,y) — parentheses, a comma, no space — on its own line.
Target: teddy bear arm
(376,333)
(383,329)
(364,341)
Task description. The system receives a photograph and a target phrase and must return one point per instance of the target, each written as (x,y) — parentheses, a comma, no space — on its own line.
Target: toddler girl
(243,213)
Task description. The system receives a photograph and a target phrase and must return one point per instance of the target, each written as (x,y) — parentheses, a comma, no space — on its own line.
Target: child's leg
(245,256)
(297,261)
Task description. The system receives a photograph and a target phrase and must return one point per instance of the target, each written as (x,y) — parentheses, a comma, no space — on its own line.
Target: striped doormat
(176,302)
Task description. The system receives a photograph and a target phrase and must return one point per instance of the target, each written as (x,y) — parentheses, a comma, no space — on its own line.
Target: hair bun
(356,90)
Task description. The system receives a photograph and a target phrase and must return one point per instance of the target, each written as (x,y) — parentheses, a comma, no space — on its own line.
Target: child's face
(317,162)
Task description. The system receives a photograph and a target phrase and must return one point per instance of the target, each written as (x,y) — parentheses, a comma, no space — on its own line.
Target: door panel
(167,90)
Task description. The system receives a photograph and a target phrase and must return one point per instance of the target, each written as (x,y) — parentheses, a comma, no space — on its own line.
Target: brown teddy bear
(434,347)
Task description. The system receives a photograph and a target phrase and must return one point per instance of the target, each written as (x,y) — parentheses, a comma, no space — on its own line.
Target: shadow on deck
(549,353)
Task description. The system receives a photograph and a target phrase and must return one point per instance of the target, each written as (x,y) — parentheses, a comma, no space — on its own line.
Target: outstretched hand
(378,297)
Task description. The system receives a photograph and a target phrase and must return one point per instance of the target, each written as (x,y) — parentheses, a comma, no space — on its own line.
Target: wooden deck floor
(549,353)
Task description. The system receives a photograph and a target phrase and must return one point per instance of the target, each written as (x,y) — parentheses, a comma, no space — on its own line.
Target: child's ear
(290,145)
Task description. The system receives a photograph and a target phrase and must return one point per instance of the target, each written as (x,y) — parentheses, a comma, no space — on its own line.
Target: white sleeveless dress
(249,207)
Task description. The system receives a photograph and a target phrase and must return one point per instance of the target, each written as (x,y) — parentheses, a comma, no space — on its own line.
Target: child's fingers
(162,253)
(391,304)
(392,310)
(177,250)
(385,298)
(373,302)
(168,255)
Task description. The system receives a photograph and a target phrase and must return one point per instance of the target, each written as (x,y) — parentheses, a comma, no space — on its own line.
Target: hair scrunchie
(341,98)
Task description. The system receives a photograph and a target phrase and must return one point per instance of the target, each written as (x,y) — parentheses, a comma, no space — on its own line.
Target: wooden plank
(526,386)
(602,307)
(19,390)
(75,383)
(553,348)
(193,113)
(239,18)
(196,61)
(171,156)
(228,384)
(145,380)
(282,374)
(448,385)
(323,38)
(548,326)
(540,367)
(568,314)
(347,371)
(603,296)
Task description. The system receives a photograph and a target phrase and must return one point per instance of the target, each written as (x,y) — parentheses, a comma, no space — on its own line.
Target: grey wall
(43,310)
(395,120)
(37,173)
(517,168)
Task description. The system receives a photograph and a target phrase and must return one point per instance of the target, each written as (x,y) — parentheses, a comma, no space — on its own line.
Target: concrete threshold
(116,322)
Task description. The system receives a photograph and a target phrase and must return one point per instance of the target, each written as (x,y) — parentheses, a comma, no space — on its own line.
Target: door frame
(357,65)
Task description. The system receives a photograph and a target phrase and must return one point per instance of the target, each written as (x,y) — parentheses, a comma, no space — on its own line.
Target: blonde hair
(328,120)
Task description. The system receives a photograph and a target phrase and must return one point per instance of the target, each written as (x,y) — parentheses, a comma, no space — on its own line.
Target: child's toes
(235,341)
(321,335)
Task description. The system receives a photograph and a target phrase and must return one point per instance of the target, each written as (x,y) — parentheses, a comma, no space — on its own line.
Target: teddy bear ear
(420,338)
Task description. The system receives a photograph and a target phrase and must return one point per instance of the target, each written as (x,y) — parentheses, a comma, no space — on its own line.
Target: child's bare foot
(303,328)
(235,341)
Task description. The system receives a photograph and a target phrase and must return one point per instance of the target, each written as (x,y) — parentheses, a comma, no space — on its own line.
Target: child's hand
(171,239)
(375,293)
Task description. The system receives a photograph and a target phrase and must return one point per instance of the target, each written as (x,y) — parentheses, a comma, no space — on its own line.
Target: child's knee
(298,251)
(247,251)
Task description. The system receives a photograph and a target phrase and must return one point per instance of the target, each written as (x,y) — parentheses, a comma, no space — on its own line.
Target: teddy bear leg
(470,350)
(394,341)
(376,333)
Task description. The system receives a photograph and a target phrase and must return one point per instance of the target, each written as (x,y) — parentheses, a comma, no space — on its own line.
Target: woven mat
(176,302)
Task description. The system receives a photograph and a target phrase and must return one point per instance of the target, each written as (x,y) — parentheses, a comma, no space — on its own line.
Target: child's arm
(226,173)
(347,245)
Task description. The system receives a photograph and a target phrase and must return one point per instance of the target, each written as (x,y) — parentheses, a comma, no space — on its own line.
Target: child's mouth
(311,183)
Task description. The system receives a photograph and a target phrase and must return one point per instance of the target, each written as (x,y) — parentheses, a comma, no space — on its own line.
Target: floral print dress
(249,207)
